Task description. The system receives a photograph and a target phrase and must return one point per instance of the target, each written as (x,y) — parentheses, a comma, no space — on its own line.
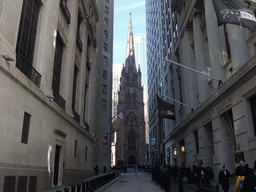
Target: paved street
(132,182)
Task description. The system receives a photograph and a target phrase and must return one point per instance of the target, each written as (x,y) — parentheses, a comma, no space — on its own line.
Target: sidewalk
(132,182)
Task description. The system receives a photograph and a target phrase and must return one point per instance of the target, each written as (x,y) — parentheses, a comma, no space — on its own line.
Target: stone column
(238,46)
(223,151)
(215,53)
(188,77)
(202,81)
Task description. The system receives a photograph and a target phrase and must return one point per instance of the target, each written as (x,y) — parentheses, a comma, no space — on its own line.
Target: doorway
(132,160)
(56,165)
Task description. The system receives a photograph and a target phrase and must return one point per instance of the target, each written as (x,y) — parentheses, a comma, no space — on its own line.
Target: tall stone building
(50,74)
(131,146)
(221,128)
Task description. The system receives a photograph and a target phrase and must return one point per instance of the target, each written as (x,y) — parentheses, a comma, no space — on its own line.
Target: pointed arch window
(131,141)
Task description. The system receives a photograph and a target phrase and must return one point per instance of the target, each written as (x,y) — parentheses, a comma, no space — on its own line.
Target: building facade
(217,123)
(48,75)
(103,84)
(140,45)
(131,146)
(158,27)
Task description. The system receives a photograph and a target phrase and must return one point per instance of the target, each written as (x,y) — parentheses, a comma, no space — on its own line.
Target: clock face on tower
(131,117)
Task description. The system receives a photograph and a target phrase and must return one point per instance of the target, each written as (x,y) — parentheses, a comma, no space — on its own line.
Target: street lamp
(175,152)
(182,148)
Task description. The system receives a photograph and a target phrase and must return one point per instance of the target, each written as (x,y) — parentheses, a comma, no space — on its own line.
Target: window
(22,183)
(104,104)
(106,9)
(86,153)
(196,140)
(85,96)
(32,184)
(74,88)
(63,6)
(105,74)
(106,34)
(9,183)
(106,21)
(227,42)
(57,72)
(25,129)
(78,39)
(105,48)
(57,65)
(26,40)
(105,60)
(104,89)
(253,109)
(131,141)
(75,149)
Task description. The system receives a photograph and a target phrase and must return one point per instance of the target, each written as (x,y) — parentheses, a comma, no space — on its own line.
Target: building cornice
(241,76)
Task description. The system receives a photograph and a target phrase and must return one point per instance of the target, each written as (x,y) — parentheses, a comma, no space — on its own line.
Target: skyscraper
(140,45)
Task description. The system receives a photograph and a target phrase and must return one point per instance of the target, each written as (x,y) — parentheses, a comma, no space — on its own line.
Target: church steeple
(130,56)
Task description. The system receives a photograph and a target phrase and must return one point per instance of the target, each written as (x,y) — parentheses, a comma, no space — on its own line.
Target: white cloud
(130,7)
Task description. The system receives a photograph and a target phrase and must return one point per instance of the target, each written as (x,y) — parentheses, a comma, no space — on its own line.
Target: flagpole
(174,100)
(213,78)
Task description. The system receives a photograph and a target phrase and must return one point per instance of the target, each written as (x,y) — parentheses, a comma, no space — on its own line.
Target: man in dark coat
(224,178)
(250,180)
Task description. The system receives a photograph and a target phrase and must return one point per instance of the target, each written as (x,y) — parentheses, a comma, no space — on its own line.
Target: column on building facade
(215,53)
(238,46)
(203,87)
(222,139)
(188,77)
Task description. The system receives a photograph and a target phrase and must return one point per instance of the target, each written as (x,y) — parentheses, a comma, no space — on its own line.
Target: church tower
(131,145)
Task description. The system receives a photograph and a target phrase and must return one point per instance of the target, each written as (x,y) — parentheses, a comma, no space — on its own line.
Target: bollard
(78,187)
(83,186)
(66,189)
(73,188)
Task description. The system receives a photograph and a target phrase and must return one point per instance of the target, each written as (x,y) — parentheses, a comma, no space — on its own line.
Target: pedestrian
(250,179)
(203,179)
(210,174)
(240,174)
(104,169)
(175,171)
(96,169)
(224,178)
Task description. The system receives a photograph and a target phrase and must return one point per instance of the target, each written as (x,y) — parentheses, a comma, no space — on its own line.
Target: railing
(90,184)
(59,100)
(65,10)
(29,71)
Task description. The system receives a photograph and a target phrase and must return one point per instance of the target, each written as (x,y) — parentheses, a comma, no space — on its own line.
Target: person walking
(250,179)
(96,169)
(210,174)
(224,178)
(240,174)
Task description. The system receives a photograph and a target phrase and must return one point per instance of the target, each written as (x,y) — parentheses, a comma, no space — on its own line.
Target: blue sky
(121,19)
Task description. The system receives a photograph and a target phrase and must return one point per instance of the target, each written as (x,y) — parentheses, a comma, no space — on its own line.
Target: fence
(91,184)
(166,183)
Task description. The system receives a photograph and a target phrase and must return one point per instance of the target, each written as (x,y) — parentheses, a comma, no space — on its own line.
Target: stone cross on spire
(130,56)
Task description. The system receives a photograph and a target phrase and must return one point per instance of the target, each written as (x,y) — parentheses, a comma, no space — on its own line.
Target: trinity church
(131,145)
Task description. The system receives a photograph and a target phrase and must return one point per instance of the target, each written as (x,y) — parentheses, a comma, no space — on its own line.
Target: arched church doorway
(132,160)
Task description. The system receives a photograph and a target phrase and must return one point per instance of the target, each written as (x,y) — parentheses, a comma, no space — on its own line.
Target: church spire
(130,56)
